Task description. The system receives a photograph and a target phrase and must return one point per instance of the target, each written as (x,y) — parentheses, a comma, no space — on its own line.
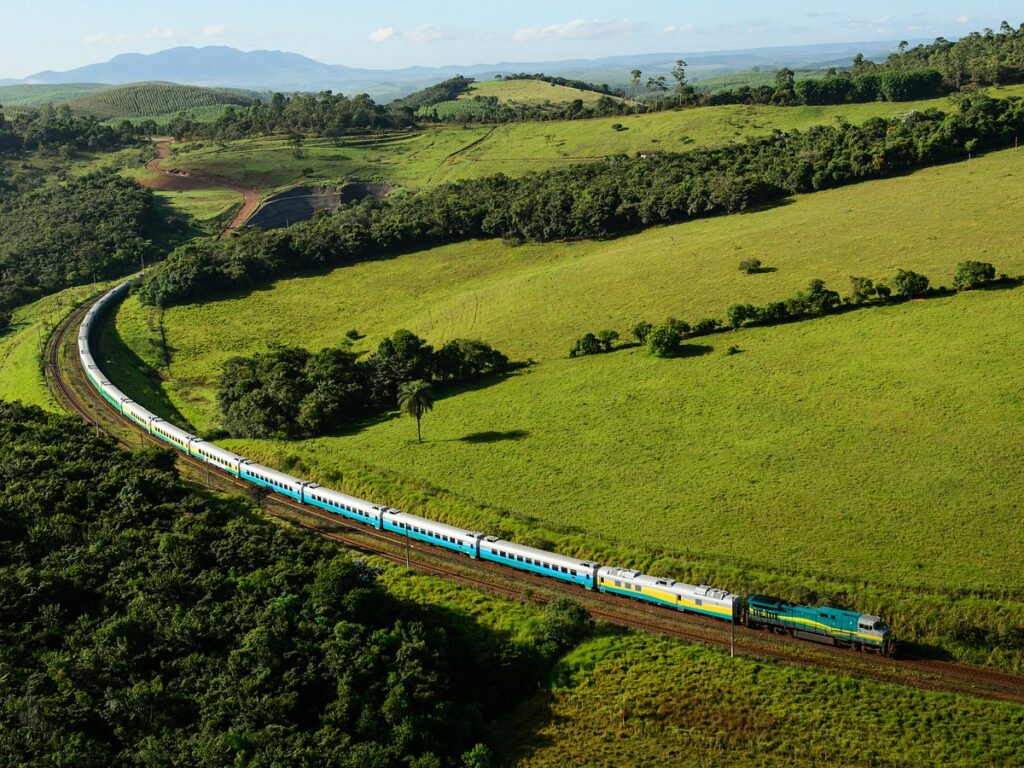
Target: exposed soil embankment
(300,203)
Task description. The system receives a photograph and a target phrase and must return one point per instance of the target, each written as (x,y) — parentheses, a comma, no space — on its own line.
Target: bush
(738,314)
(353,335)
(973,274)
(750,266)
(5,320)
(586,345)
(862,289)
(641,331)
(705,327)
(563,624)
(607,339)
(664,340)
(911,285)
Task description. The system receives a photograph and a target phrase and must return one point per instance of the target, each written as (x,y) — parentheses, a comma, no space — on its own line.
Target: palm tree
(416,398)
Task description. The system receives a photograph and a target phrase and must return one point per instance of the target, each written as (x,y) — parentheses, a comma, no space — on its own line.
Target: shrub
(641,331)
(664,340)
(910,284)
(586,345)
(750,266)
(738,314)
(5,320)
(706,326)
(973,274)
(862,289)
(607,339)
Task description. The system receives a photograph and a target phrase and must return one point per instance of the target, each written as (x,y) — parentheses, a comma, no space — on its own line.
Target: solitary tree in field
(679,74)
(416,398)
(636,74)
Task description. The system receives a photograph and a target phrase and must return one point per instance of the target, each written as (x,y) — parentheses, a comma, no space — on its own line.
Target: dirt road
(178,180)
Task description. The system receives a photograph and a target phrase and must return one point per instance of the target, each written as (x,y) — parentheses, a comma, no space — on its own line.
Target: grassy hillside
(449,153)
(532,92)
(724,460)
(152,99)
(38,95)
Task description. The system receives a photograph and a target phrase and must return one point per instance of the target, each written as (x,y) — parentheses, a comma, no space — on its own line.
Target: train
(826,625)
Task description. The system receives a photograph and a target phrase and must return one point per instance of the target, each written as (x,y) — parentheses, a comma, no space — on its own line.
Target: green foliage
(910,284)
(665,340)
(641,331)
(862,289)
(149,99)
(146,623)
(289,392)
(969,275)
(416,398)
(750,266)
(590,201)
(57,128)
(594,344)
(447,90)
(71,233)
(6,318)
(564,623)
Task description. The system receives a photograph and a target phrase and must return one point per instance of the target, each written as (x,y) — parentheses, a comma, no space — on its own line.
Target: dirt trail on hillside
(177,180)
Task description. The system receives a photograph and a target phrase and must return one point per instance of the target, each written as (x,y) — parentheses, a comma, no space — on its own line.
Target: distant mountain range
(221,66)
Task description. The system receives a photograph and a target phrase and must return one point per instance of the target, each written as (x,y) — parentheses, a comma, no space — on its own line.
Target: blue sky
(61,34)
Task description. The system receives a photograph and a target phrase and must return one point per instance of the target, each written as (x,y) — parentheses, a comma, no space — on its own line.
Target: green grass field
(531,92)
(449,153)
(901,421)
(621,699)
(21,355)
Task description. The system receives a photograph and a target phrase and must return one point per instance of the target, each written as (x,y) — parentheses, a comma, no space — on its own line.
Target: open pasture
(449,153)
(530,92)
(901,422)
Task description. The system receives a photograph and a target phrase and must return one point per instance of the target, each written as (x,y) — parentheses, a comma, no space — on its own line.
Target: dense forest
(145,622)
(72,232)
(57,128)
(597,200)
(290,392)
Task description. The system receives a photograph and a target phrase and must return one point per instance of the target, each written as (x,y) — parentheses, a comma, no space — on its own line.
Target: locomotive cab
(875,627)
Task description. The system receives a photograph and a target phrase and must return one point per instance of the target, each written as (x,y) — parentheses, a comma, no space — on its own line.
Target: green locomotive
(831,626)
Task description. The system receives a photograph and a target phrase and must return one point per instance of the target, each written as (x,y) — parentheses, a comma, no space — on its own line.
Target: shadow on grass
(134,376)
(691,350)
(495,437)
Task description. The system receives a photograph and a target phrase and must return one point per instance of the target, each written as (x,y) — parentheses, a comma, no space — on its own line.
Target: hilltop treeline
(144,622)
(72,232)
(56,128)
(597,200)
(325,114)
(289,392)
(980,58)
(580,85)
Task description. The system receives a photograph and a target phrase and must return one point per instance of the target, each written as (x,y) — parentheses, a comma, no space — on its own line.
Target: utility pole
(732,636)
(407,563)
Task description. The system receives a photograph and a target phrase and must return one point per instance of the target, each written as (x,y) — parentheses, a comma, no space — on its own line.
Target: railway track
(71,388)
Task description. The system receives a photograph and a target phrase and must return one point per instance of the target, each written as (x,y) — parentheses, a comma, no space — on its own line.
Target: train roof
(431,525)
(688,590)
(273,474)
(344,498)
(537,554)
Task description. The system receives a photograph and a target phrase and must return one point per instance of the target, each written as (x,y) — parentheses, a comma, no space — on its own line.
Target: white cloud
(422,35)
(963,19)
(214,30)
(428,33)
(104,38)
(577,29)
(678,29)
(383,34)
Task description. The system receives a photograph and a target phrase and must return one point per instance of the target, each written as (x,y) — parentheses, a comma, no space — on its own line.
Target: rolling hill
(154,99)
(26,95)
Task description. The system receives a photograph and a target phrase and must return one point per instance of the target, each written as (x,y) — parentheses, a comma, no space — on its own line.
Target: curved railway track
(69,385)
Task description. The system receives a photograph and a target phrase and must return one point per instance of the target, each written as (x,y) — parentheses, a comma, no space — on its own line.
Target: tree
(588,344)
(416,398)
(641,331)
(738,314)
(910,284)
(785,86)
(862,289)
(664,340)
(657,86)
(5,320)
(635,75)
(607,339)
(563,624)
(683,89)
(295,141)
(969,274)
